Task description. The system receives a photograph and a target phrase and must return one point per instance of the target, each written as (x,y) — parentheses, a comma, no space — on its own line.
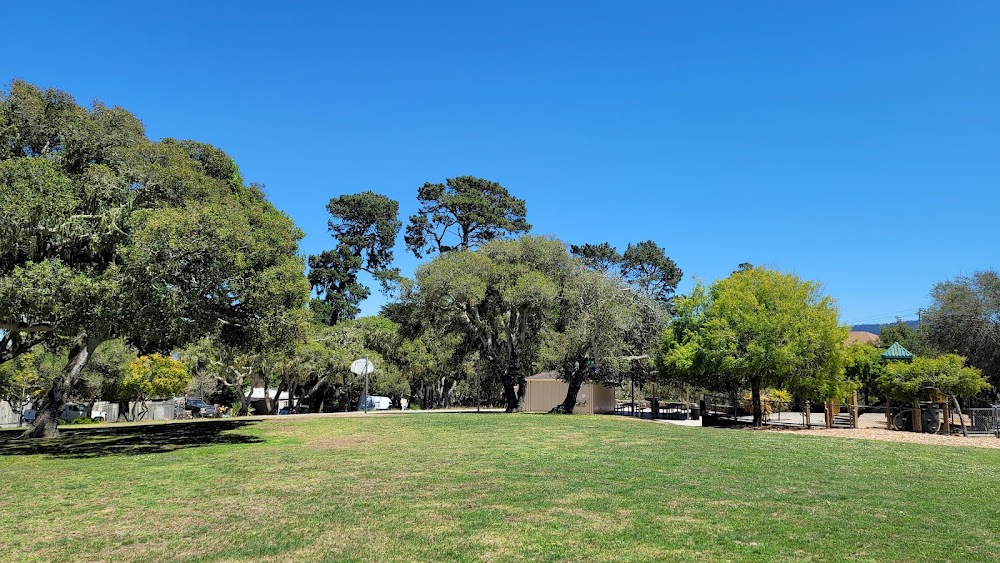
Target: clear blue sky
(854,143)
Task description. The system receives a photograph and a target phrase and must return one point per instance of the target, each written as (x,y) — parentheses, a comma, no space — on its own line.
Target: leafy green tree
(462,214)
(863,365)
(103,375)
(602,257)
(910,381)
(499,297)
(365,226)
(153,376)
(107,235)
(602,324)
(913,339)
(646,266)
(965,318)
(21,381)
(757,328)
(434,365)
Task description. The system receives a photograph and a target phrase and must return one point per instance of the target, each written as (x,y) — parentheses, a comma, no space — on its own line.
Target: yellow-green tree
(863,365)
(152,377)
(757,328)
(21,380)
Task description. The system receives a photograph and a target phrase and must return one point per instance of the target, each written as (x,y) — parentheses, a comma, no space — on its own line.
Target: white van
(375,403)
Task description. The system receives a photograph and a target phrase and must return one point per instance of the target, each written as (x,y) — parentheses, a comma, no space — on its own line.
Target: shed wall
(544,395)
(604,399)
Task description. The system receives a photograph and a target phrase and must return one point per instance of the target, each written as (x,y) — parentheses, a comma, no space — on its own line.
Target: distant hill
(875,328)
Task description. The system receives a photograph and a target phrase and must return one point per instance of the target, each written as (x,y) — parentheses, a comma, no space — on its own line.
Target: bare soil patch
(335,442)
(884,435)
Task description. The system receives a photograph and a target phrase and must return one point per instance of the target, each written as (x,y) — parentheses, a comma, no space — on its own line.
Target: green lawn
(492,487)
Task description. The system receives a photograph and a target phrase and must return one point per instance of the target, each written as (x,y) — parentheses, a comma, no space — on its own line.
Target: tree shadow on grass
(129,440)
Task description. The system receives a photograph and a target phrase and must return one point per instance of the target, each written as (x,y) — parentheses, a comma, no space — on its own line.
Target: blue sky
(854,143)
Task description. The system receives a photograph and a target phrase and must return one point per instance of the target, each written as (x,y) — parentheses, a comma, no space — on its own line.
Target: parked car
(375,403)
(200,408)
(70,412)
(73,411)
(301,409)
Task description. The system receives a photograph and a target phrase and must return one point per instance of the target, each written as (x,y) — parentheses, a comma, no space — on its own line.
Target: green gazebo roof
(897,352)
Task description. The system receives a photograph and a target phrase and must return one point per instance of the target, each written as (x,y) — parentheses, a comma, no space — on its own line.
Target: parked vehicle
(70,412)
(375,403)
(301,409)
(200,408)
(73,411)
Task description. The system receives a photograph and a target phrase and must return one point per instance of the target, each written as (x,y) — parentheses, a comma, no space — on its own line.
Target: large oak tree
(500,296)
(104,234)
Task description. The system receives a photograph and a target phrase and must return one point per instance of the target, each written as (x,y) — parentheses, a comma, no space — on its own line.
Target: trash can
(695,412)
(654,407)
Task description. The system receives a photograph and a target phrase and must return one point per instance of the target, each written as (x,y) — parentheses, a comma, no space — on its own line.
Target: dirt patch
(337,442)
(884,435)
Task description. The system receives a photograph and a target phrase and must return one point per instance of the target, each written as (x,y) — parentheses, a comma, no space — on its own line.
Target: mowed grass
(490,487)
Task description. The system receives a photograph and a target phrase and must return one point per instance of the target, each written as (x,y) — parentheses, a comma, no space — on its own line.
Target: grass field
(489,487)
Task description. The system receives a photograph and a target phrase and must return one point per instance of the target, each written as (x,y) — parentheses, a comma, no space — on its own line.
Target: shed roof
(544,376)
(897,352)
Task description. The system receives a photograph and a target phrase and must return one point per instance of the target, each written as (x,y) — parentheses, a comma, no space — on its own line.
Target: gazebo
(896,353)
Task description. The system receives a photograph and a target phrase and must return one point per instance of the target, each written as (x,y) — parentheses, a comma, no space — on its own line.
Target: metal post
(632,378)
(479,390)
(366,383)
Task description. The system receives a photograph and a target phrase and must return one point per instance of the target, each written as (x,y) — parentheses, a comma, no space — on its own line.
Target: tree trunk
(521,390)
(758,411)
(50,407)
(123,410)
(575,382)
(244,401)
(449,390)
(273,407)
(509,395)
(960,417)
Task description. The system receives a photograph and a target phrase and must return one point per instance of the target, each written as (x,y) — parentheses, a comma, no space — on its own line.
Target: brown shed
(544,391)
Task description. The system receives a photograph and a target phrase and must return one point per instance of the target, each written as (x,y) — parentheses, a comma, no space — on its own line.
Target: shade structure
(897,352)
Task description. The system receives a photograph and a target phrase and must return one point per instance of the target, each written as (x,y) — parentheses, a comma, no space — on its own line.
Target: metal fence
(984,421)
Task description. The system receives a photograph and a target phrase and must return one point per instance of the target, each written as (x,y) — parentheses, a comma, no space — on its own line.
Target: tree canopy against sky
(364,227)
(622,143)
(756,328)
(158,243)
(463,213)
(965,319)
(645,266)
